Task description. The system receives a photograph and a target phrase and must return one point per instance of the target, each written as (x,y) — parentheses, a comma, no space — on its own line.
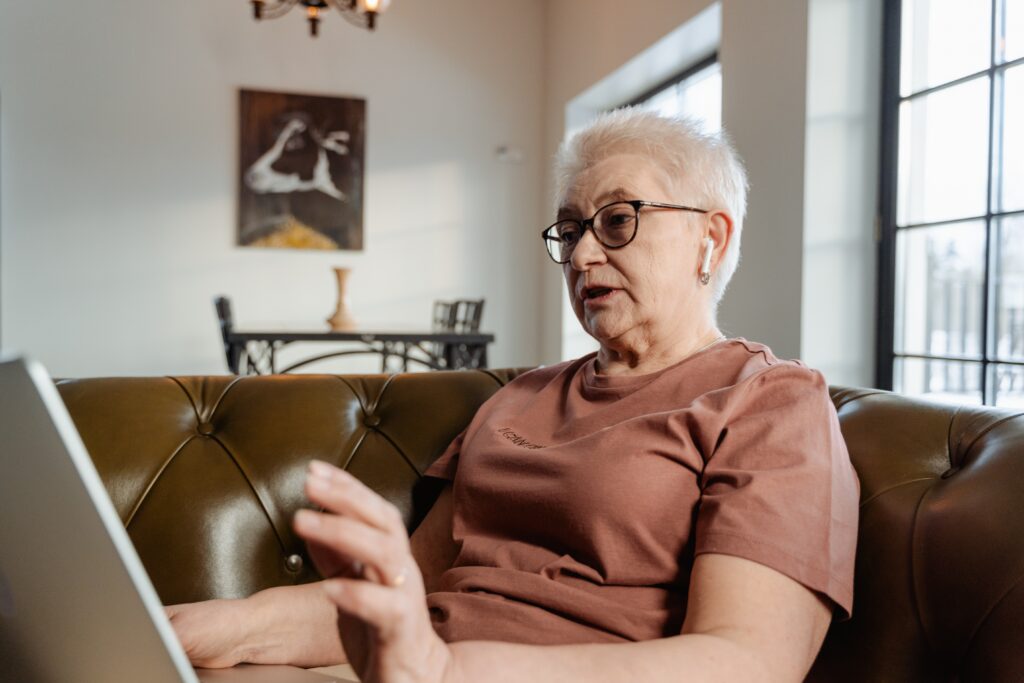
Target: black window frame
(887,230)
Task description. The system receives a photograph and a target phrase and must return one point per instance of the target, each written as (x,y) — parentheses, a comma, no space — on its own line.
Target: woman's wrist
(267,636)
(290,625)
(445,660)
(255,641)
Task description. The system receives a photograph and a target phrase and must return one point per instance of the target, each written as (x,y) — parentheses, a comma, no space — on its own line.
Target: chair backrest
(226,320)
(444,316)
(461,315)
(467,315)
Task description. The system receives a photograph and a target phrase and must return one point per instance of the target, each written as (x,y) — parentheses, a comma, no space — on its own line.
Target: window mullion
(987,387)
(888,177)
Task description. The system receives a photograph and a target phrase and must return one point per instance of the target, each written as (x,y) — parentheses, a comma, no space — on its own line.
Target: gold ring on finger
(399,579)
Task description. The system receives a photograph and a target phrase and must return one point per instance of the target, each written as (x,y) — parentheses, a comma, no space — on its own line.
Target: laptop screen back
(75,602)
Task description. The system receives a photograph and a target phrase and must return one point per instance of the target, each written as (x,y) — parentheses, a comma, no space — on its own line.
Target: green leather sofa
(206,473)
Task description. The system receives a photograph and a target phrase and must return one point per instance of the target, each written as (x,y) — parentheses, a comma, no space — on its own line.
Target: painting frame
(301,160)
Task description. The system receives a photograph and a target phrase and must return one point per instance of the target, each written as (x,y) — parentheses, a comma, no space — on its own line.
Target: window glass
(1009,189)
(1008,289)
(943,154)
(939,380)
(955,227)
(1008,382)
(699,97)
(940,278)
(943,40)
(1012,29)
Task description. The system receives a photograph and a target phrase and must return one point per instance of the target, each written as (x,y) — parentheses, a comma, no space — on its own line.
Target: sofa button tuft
(371,420)
(293,563)
(205,428)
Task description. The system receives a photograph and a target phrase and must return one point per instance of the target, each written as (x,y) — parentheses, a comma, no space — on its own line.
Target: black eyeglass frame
(588,224)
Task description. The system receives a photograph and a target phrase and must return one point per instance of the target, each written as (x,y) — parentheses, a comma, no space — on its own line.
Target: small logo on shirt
(516,439)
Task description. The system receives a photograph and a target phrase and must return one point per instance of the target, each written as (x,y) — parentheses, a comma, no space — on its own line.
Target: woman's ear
(720,227)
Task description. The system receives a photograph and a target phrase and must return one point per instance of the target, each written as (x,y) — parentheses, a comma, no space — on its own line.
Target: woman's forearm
(685,658)
(294,625)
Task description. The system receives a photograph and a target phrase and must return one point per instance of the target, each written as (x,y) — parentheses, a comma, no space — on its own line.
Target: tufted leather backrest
(206,473)
(939,586)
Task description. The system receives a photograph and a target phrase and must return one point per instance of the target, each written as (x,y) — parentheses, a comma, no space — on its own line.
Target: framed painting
(300,171)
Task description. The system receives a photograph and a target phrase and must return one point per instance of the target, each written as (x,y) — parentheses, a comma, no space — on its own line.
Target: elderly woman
(677,506)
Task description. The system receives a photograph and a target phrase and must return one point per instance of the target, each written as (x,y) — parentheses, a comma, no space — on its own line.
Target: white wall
(118,161)
(118,139)
(841,192)
(764,53)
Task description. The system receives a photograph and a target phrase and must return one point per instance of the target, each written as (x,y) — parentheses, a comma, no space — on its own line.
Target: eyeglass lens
(614,225)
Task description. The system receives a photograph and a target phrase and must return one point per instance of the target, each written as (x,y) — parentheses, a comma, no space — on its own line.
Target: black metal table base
(260,356)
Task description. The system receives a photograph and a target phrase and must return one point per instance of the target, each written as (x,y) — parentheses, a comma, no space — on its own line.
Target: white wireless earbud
(705,266)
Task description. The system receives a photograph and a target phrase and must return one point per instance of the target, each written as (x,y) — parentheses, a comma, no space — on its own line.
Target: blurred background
(884,242)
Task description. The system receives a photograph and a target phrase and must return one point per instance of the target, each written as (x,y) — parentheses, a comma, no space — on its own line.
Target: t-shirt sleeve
(779,488)
(444,467)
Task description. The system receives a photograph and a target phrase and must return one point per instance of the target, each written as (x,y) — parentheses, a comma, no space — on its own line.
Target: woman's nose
(588,252)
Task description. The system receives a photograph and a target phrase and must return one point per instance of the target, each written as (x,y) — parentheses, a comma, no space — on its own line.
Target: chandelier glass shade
(361,13)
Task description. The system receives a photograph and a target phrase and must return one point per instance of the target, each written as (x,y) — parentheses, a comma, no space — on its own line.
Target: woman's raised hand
(360,545)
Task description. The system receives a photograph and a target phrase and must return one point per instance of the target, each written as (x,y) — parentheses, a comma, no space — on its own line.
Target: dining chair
(463,317)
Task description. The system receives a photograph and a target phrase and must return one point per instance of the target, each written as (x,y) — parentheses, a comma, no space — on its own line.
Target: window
(951,324)
(696,92)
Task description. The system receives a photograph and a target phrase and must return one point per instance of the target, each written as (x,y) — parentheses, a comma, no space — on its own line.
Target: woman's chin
(605,332)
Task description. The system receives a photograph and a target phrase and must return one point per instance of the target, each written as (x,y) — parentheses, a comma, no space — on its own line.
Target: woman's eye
(619,220)
(569,234)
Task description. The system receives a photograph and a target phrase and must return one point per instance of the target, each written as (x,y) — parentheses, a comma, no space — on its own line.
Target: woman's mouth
(596,295)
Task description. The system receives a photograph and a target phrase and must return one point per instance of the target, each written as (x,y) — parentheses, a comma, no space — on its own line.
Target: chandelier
(361,13)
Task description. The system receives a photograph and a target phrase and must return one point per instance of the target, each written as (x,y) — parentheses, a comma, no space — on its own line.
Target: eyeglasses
(614,226)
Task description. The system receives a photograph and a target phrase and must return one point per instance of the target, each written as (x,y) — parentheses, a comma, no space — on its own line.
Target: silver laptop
(75,601)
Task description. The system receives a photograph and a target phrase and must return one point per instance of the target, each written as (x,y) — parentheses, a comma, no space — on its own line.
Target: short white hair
(678,145)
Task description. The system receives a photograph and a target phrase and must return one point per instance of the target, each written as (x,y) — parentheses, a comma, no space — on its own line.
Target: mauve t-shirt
(581,500)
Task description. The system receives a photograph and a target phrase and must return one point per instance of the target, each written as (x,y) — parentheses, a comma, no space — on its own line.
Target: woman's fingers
(329,563)
(354,540)
(365,529)
(339,492)
(381,615)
